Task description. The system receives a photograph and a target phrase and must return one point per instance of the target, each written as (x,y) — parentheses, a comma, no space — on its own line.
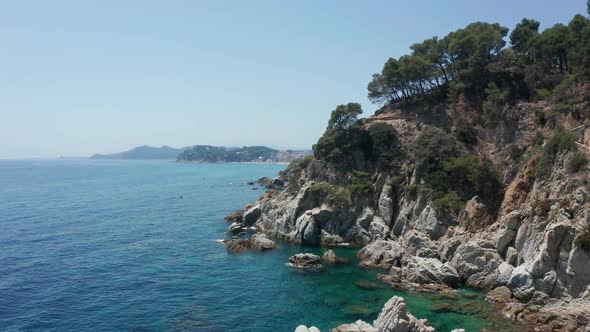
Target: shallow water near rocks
(111,246)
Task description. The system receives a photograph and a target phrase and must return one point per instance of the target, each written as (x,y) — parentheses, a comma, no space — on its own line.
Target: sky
(85,77)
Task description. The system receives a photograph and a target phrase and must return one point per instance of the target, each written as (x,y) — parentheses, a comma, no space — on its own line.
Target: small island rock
(305,261)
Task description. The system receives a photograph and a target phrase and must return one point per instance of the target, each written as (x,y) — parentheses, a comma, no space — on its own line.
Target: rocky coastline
(527,253)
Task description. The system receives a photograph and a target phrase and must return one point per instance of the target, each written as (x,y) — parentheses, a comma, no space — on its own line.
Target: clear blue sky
(83,77)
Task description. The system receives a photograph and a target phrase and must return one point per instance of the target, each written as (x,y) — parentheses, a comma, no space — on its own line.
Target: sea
(100,245)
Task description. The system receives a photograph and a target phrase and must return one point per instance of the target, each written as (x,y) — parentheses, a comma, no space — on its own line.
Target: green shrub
(542,94)
(578,163)
(298,165)
(515,151)
(562,91)
(539,139)
(583,240)
(327,192)
(448,204)
(541,117)
(385,146)
(432,148)
(561,108)
(361,183)
(561,141)
(340,146)
(467,135)
(493,105)
(413,190)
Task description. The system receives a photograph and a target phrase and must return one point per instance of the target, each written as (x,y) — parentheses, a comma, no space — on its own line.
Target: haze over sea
(112,246)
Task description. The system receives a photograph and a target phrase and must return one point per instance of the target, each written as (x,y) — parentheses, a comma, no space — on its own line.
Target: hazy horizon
(85,78)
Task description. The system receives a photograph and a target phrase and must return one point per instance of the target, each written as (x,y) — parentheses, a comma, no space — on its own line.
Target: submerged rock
(237,245)
(370,285)
(305,261)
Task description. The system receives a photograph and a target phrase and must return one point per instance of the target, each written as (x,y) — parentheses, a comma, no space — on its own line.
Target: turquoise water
(111,246)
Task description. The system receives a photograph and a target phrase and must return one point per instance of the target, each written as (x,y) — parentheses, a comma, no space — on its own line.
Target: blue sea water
(90,245)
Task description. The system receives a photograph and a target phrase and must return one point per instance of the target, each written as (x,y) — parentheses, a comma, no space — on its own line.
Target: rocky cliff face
(531,247)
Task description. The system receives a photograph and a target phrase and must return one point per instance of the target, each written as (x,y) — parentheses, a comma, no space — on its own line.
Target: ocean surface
(89,245)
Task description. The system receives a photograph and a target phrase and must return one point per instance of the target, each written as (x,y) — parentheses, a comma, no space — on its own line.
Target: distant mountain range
(208,154)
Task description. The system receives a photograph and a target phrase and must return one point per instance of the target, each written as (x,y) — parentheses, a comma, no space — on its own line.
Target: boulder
(428,271)
(381,254)
(447,247)
(475,216)
(521,284)
(477,265)
(327,239)
(237,245)
(235,229)
(277,183)
(504,273)
(419,244)
(512,256)
(323,214)
(512,220)
(378,229)
(307,228)
(366,218)
(394,318)
(500,294)
(235,216)
(305,261)
(358,326)
(303,328)
(505,238)
(331,258)
(358,235)
(428,222)
(251,215)
(261,242)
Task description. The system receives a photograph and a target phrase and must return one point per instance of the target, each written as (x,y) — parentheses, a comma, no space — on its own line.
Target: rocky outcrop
(358,326)
(303,328)
(251,215)
(392,318)
(477,264)
(305,261)
(381,254)
(428,271)
(331,258)
(237,245)
(261,242)
(523,251)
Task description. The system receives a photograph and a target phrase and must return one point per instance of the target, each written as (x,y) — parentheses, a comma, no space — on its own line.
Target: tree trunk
(444,72)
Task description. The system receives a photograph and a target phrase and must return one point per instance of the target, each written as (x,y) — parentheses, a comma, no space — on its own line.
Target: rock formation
(392,318)
(527,247)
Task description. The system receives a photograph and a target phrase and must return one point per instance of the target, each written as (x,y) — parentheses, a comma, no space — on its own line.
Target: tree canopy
(471,58)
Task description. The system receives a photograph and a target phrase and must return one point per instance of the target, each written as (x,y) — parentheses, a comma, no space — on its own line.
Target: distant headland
(208,154)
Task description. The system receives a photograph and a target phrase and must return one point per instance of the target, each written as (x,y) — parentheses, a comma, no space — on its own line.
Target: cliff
(406,200)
